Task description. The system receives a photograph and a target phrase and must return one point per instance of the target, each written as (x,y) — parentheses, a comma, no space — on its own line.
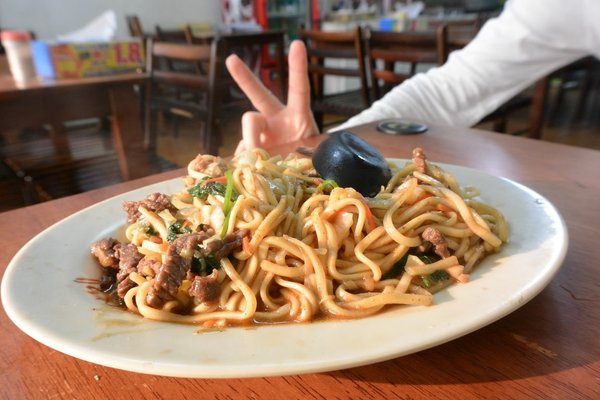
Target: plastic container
(18,50)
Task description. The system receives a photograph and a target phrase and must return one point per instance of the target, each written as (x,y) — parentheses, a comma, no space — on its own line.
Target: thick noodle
(313,250)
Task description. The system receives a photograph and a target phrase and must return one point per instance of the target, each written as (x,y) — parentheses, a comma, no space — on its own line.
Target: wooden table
(547,349)
(56,101)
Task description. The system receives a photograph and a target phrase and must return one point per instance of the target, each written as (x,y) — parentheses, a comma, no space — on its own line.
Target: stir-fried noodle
(264,240)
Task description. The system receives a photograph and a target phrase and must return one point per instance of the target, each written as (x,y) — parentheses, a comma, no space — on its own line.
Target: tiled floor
(27,176)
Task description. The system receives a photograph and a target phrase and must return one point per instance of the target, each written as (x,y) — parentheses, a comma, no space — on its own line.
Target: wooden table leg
(128,136)
(58,135)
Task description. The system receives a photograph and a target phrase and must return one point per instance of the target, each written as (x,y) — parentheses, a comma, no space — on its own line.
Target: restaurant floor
(32,171)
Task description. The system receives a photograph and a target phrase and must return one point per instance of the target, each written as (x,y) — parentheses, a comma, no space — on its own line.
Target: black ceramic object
(352,162)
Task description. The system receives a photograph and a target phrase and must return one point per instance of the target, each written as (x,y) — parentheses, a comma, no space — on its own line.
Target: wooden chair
(163,92)
(325,48)
(268,52)
(541,104)
(457,36)
(135,26)
(386,49)
(500,117)
(178,36)
(582,75)
(459,32)
(190,38)
(251,47)
(171,35)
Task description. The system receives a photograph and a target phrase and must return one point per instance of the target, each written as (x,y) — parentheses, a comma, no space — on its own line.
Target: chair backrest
(331,46)
(191,38)
(268,51)
(202,83)
(459,32)
(171,35)
(386,49)
(134,25)
(179,52)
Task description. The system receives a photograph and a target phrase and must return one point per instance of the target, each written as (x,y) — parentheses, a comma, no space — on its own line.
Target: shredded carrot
(246,245)
(155,239)
(443,208)
(164,247)
(371,225)
(423,196)
(316,181)
(220,179)
(209,324)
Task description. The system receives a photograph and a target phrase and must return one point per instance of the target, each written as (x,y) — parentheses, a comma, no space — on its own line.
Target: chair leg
(60,141)
(32,192)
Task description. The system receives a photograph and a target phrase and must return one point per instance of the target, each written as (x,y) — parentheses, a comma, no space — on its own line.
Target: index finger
(261,97)
(299,87)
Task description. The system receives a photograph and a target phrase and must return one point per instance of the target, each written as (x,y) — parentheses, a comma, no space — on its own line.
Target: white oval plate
(40,295)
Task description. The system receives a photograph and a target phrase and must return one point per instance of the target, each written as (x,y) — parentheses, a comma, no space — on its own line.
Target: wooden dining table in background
(53,102)
(547,349)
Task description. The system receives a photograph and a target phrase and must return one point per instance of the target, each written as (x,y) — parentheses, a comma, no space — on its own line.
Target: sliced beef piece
(155,202)
(209,165)
(433,237)
(177,263)
(419,159)
(104,250)
(230,243)
(205,288)
(207,229)
(148,267)
(129,257)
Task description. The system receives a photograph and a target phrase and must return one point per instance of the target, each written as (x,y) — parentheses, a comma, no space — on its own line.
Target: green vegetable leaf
(201,190)
(397,269)
(204,266)
(429,258)
(425,280)
(440,275)
(327,184)
(434,277)
(229,194)
(228,200)
(146,227)
(175,230)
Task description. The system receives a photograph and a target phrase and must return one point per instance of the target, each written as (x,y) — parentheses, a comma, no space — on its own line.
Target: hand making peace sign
(273,122)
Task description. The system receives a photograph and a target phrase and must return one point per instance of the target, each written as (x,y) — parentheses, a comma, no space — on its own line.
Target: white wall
(48,18)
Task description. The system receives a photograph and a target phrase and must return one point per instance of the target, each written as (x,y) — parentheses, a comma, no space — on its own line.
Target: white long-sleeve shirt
(529,39)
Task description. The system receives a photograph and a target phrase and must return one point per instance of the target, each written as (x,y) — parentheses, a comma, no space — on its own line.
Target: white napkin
(100,29)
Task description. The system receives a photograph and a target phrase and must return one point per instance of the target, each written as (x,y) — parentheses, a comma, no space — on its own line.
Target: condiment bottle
(18,51)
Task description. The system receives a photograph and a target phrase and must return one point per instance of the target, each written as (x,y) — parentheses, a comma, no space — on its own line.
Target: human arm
(274,122)
(530,39)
